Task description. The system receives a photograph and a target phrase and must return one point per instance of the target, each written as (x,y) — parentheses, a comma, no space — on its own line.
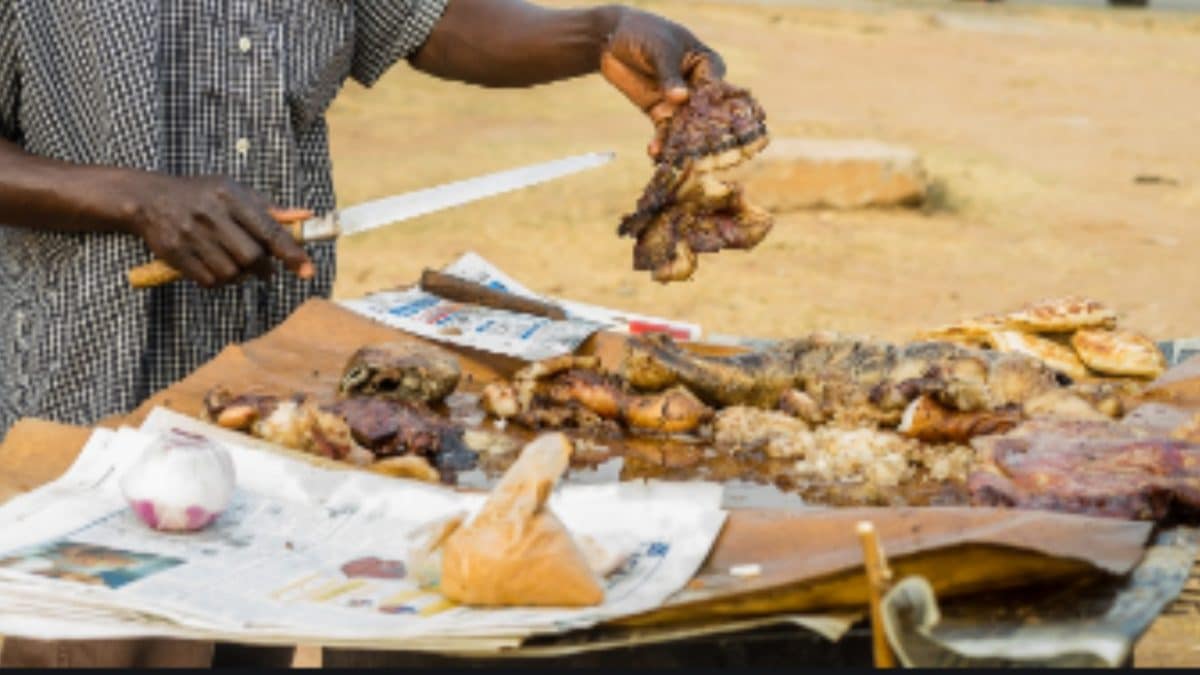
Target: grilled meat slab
(1095,468)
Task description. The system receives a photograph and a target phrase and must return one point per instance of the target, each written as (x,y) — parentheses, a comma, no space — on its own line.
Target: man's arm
(212,230)
(513,43)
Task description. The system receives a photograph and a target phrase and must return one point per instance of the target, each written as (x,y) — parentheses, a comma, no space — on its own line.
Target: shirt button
(242,146)
(244,44)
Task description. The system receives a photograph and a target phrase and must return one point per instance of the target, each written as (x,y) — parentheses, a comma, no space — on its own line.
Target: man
(170,127)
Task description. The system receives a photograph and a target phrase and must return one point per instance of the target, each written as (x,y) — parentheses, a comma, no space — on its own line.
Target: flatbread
(1062,315)
(975,332)
(1057,356)
(1119,353)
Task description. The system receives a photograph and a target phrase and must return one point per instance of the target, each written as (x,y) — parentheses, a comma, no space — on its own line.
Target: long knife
(389,210)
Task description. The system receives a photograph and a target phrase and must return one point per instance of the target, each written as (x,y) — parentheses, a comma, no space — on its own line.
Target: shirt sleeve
(387,31)
(10,73)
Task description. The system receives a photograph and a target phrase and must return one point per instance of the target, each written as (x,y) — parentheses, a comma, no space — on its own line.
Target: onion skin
(194,517)
(182,483)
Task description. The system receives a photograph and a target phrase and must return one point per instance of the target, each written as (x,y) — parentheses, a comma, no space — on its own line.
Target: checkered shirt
(187,87)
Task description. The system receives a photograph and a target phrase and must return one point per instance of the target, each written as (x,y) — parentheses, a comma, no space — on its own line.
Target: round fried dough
(1119,353)
(1062,315)
(1054,355)
(975,332)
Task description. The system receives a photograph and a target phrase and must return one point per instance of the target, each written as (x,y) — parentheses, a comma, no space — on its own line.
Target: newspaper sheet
(1180,350)
(306,553)
(472,267)
(522,336)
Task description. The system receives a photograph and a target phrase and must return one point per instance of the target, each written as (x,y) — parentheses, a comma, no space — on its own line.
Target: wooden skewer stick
(879,580)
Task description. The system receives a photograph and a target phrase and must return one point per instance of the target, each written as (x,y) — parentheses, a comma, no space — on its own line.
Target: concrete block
(794,173)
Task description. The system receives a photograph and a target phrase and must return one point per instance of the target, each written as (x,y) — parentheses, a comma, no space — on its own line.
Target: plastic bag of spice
(515,552)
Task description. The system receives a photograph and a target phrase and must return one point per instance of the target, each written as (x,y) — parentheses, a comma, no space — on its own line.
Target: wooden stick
(158,272)
(460,290)
(879,579)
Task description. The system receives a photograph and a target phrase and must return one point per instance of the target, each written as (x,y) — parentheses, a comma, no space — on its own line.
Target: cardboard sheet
(810,559)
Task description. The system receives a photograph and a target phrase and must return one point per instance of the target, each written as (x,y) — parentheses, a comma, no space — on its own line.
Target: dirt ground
(1035,123)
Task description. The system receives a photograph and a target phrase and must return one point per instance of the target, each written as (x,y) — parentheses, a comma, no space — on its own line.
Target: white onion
(181,483)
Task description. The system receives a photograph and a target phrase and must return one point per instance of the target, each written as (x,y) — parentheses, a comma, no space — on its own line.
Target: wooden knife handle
(158,272)
(460,290)
(154,273)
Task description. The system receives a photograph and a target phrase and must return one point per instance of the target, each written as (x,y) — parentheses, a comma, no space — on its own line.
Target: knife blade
(390,210)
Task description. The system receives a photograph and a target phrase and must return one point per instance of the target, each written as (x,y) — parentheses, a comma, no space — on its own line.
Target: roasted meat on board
(1094,468)
(359,430)
(401,371)
(853,381)
(572,392)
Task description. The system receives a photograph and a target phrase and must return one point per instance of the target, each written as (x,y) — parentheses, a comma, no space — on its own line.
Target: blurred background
(1056,145)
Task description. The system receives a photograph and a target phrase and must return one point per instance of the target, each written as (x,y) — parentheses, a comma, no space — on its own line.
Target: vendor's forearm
(46,194)
(512,43)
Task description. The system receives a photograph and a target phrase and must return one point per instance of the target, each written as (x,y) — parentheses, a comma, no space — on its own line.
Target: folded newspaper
(513,334)
(308,554)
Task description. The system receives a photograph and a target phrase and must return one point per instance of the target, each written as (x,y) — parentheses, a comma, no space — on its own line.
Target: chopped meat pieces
(572,392)
(878,459)
(361,430)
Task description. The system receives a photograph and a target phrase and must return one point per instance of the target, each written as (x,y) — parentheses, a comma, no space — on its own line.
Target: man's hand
(513,43)
(653,62)
(212,230)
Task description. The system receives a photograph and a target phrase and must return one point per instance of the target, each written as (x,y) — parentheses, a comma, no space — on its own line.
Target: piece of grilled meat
(828,378)
(359,430)
(1096,468)
(572,392)
(687,209)
(401,371)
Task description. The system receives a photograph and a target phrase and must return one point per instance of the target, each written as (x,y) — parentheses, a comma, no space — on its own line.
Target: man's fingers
(662,113)
(282,246)
(641,90)
(262,268)
(218,262)
(256,221)
(704,65)
(192,268)
(668,66)
(244,250)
